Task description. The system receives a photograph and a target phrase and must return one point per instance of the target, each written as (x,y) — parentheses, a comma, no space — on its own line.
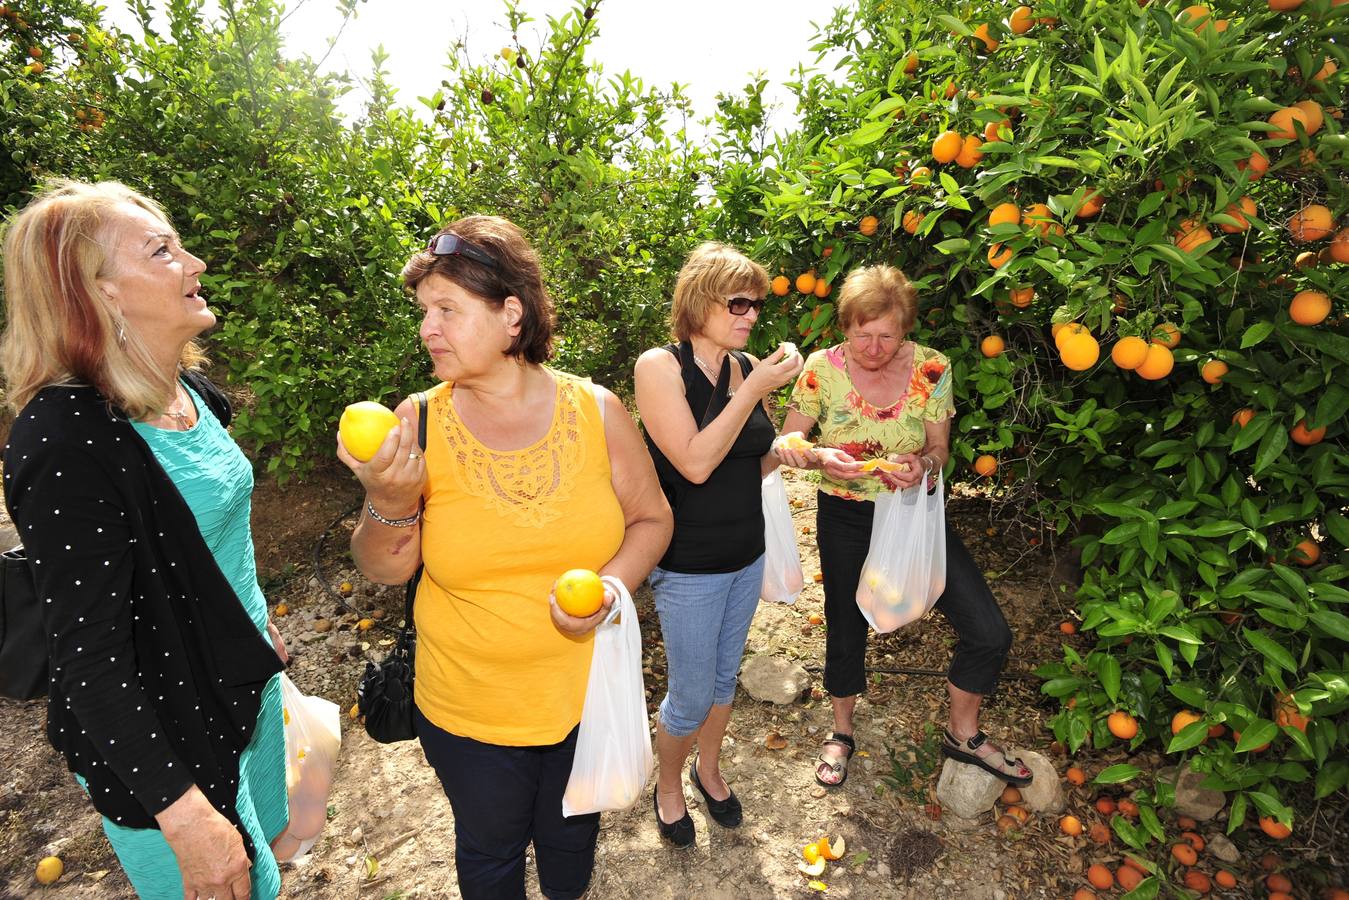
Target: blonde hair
(59,328)
(876,291)
(712,271)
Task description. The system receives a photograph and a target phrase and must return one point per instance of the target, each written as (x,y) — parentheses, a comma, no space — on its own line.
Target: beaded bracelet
(392,523)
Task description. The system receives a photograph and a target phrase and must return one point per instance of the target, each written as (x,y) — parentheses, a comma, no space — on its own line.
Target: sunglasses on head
(741,305)
(454,245)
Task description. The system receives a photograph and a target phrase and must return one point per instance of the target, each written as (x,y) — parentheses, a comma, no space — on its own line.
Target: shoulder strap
(420,399)
(215,399)
(745,365)
(411,593)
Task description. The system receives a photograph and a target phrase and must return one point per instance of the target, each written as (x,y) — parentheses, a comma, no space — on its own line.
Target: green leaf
(1256,333)
(1257,734)
(1273,444)
(1110,677)
(1270,649)
(1147,816)
(1117,774)
(1147,889)
(1191,735)
(1333,623)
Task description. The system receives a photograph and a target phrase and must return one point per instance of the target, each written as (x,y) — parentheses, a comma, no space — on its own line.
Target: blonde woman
(702,404)
(132,502)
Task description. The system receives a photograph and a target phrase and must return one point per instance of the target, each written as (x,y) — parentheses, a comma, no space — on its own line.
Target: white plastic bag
(905,569)
(313,737)
(782,575)
(613,747)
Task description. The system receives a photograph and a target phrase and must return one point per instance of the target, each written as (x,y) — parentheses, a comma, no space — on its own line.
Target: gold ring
(412,456)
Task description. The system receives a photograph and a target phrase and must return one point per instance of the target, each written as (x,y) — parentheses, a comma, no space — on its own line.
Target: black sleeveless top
(718,525)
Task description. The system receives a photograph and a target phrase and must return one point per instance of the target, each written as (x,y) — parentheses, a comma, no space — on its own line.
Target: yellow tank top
(498,528)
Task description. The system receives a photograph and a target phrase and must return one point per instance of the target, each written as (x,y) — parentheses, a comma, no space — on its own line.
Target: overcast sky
(706,45)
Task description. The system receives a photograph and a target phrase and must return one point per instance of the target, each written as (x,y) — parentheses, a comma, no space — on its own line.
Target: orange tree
(1126,195)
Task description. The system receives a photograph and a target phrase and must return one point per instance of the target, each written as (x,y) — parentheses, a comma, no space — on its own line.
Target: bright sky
(706,45)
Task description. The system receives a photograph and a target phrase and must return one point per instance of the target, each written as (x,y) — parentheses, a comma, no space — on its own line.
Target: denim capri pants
(704,620)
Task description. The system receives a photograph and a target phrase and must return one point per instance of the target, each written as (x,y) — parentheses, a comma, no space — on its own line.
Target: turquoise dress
(216,480)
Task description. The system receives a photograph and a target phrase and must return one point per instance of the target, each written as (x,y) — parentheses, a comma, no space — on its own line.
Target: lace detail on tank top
(530,485)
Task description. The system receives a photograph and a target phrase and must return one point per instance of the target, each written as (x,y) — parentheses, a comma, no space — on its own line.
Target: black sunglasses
(741,305)
(454,245)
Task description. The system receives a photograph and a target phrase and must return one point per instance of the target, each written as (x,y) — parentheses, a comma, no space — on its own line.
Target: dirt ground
(390,830)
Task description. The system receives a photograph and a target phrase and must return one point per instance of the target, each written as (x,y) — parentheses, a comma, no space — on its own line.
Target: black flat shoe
(727,813)
(680,833)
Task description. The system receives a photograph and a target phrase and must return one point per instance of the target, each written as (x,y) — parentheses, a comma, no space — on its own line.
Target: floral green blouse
(825,392)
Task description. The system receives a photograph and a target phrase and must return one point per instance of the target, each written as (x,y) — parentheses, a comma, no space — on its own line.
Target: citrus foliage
(1093,164)
(305,220)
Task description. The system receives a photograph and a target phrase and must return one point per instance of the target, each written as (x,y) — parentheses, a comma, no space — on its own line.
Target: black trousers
(503,798)
(843,532)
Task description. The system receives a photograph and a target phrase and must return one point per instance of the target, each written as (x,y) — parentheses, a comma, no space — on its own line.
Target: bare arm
(393,481)
(665,413)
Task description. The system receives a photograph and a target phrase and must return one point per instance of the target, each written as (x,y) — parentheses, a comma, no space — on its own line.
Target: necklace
(178,415)
(711,373)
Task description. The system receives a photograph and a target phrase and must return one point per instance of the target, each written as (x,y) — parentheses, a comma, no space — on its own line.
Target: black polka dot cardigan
(156,669)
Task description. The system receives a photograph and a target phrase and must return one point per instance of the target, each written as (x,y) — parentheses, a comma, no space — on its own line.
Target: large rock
(774,680)
(1044,794)
(1199,803)
(967,791)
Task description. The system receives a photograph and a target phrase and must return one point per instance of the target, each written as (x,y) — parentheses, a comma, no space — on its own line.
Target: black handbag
(23,645)
(384,696)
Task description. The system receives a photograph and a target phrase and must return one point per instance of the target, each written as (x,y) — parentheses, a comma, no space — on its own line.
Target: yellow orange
(805,282)
(1315,115)
(1183,719)
(1167,335)
(1080,352)
(1330,68)
(1157,364)
(1339,246)
(913,220)
(1021,20)
(868,225)
(1274,828)
(1283,119)
(1129,352)
(1309,308)
(1091,204)
(1241,211)
(991,43)
(1100,877)
(822,288)
(1063,330)
(1070,825)
(970,155)
(1313,222)
(992,131)
(1213,371)
(1040,216)
(1122,725)
(1196,17)
(1021,297)
(1257,164)
(921,175)
(49,870)
(363,427)
(1191,236)
(992,346)
(579,592)
(1004,214)
(986,465)
(1305,436)
(781,285)
(1243,416)
(947,146)
(999,256)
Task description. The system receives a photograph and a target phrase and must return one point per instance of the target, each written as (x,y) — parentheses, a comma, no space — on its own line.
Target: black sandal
(680,833)
(727,813)
(839,767)
(966,752)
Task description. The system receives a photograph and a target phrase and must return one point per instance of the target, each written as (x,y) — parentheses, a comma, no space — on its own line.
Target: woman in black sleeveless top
(702,406)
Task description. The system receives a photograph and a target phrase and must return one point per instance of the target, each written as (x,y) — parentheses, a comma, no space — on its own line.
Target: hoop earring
(121,335)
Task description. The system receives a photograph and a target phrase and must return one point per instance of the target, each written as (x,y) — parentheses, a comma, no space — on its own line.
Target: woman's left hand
(575,626)
(278,644)
(913,472)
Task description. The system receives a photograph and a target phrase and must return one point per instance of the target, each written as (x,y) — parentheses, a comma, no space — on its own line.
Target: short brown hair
(517,274)
(712,270)
(875,291)
(59,327)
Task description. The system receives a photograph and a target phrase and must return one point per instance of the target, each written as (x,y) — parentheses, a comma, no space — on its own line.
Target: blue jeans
(704,620)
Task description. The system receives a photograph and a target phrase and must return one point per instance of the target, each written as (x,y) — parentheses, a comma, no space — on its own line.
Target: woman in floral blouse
(879,395)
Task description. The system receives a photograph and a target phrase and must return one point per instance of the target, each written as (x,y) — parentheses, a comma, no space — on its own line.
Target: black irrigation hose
(327,585)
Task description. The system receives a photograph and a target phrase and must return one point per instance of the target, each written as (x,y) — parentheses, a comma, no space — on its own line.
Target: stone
(954,822)
(1045,794)
(774,680)
(1199,803)
(967,791)
(1221,847)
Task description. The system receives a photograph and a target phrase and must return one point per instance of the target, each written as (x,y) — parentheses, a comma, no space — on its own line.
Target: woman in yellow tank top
(528,472)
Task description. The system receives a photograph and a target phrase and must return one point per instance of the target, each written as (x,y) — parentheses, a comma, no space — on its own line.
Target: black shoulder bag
(384,696)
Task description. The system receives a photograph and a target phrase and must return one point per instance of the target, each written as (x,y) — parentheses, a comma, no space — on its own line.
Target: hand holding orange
(363,427)
(579,593)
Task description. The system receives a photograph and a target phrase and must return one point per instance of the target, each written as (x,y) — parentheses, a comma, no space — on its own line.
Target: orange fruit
(1185,823)
(1198,882)
(1091,204)
(1315,115)
(911,64)
(811,853)
(1225,879)
(1167,335)
(1070,825)
(1010,795)
(822,288)
(1128,877)
(1285,707)
(1040,216)
(970,155)
(1076,776)
(1191,236)
(999,256)
(1196,17)
(1128,808)
(1311,223)
(49,870)
(1240,211)
(1004,214)
(281,610)
(993,130)
(1019,813)
(1084,894)
(1306,553)
(365,624)
(805,282)
(1279,882)
(1339,246)
(921,176)
(1184,854)
(992,346)
(1274,828)
(1158,363)
(1061,331)
(1194,839)
(1099,833)
(1100,877)
(913,220)
(1301,434)
(986,465)
(1307,259)
(579,592)
(1243,416)
(1021,20)
(1129,352)
(1213,371)
(1283,119)
(990,42)
(1122,725)
(1067,628)
(1309,308)
(1181,720)
(868,225)
(1021,297)
(947,146)
(1257,164)
(815,619)
(1080,352)
(781,285)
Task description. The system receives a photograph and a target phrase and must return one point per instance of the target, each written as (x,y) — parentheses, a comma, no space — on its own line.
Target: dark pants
(503,798)
(843,531)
